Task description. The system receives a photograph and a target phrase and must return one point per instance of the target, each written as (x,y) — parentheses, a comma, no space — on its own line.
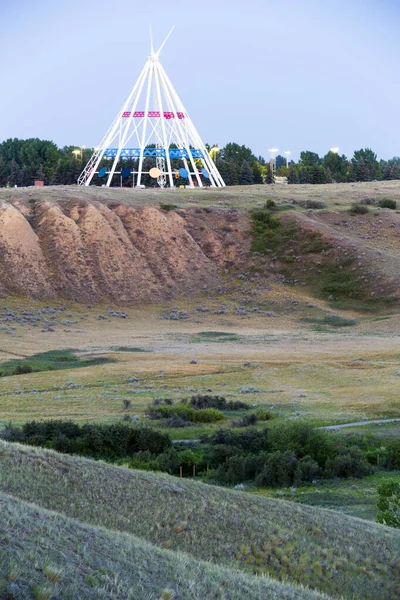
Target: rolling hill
(324,550)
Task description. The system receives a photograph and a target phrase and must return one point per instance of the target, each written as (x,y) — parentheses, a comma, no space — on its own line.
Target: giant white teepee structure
(153,124)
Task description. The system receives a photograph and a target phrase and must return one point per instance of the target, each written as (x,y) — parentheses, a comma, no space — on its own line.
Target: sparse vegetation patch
(53,360)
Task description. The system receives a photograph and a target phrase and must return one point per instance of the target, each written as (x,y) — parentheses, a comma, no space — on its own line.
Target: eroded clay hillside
(88,250)
(94,245)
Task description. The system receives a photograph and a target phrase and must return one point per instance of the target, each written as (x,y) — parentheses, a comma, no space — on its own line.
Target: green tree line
(24,161)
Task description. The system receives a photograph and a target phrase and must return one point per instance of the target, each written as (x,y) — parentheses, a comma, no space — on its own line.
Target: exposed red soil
(88,251)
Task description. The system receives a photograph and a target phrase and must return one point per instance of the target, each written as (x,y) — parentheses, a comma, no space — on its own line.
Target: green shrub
(314,243)
(163,401)
(266,231)
(251,440)
(52,360)
(23,368)
(187,412)
(350,463)
(332,320)
(219,402)
(369,201)
(314,204)
(302,440)
(264,415)
(176,421)
(388,203)
(239,468)
(247,421)
(217,454)
(389,503)
(168,461)
(307,470)
(393,455)
(339,284)
(168,207)
(115,440)
(263,220)
(232,471)
(358,209)
(278,470)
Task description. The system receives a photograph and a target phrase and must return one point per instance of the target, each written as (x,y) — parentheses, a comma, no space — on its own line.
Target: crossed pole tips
(153,131)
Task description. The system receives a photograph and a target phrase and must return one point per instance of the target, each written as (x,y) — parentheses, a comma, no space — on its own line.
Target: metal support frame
(163,122)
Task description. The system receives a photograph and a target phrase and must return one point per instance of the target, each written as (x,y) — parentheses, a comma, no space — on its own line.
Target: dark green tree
(338,165)
(40,176)
(14,174)
(280,161)
(387,172)
(25,177)
(366,164)
(305,175)
(309,159)
(362,171)
(318,174)
(292,176)
(233,173)
(234,153)
(395,171)
(257,177)
(246,174)
(269,176)
(57,175)
(389,503)
(223,168)
(352,172)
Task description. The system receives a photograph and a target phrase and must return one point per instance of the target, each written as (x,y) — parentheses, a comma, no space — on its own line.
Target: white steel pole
(160,108)
(138,87)
(195,136)
(146,118)
(207,160)
(183,141)
(176,125)
(110,133)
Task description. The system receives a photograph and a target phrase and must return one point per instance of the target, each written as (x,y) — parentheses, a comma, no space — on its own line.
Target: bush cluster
(359,209)
(388,203)
(282,456)
(186,412)
(285,455)
(197,409)
(106,441)
(218,402)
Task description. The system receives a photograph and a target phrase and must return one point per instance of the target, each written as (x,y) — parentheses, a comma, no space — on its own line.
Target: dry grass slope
(46,555)
(324,550)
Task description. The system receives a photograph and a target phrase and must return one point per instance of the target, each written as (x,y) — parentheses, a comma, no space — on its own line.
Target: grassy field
(338,196)
(339,385)
(53,360)
(353,497)
(321,549)
(302,355)
(75,560)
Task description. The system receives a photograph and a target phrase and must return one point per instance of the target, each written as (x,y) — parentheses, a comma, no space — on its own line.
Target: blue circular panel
(125,172)
(102,172)
(183,173)
(205,173)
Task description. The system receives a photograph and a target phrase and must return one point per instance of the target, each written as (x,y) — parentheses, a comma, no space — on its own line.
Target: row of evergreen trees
(364,166)
(24,161)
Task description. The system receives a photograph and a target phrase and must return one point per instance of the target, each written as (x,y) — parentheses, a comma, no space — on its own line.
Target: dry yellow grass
(324,550)
(317,372)
(337,195)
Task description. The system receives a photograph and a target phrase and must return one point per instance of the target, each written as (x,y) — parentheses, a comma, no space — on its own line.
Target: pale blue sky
(294,74)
